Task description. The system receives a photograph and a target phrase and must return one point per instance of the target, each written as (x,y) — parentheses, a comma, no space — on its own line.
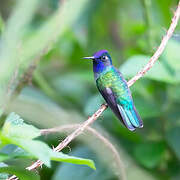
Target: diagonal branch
(74,134)
(106,142)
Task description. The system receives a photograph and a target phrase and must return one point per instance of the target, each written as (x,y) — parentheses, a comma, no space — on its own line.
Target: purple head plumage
(100,53)
(101,61)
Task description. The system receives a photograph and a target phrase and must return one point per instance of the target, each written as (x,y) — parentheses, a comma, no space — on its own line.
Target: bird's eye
(104,57)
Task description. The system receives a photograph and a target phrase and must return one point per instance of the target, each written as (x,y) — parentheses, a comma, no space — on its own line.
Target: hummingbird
(114,89)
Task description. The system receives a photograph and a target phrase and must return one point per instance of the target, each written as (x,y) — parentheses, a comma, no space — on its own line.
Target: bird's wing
(116,108)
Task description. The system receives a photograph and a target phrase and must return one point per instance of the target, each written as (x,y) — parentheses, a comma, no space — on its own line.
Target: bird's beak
(90,57)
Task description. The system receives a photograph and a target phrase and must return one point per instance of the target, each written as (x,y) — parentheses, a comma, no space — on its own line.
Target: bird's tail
(130,117)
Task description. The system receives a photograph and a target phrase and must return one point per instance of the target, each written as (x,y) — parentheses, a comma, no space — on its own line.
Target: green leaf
(158,72)
(71,171)
(14,127)
(20,173)
(21,153)
(59,156)
(147,109)
(44,153)
(171,58)
(17,153)
(149,154)
(174,93)
(171,54)
(37,148)
(92,104)
(173,140)
(4,157)
(65,83)
(15,131)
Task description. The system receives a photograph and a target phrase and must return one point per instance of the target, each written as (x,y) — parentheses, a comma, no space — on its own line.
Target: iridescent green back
(114,80)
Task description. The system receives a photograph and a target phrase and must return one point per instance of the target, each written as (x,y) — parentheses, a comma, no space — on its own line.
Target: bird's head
(101,60)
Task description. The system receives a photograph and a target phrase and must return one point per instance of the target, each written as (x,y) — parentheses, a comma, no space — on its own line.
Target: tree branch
(73,135)
(103,107)
(114,152)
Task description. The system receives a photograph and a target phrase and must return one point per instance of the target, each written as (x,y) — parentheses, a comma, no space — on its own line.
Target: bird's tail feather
(130,117)
(137,117)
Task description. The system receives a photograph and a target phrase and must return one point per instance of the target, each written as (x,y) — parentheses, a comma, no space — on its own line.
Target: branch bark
(106,142)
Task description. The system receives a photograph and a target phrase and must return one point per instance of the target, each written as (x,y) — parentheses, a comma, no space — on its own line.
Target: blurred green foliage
(52,37)
(16,132)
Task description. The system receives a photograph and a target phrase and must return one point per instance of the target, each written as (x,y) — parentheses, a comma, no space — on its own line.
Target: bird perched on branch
(113,87)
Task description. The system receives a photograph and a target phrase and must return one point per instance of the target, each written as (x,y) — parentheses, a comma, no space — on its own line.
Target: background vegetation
(44,80)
